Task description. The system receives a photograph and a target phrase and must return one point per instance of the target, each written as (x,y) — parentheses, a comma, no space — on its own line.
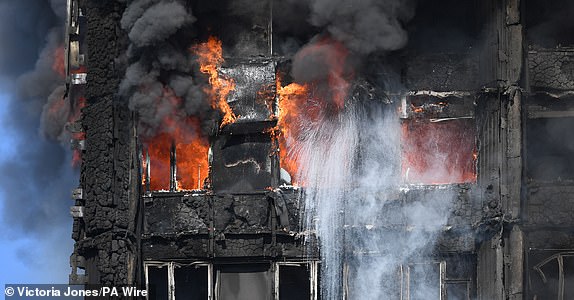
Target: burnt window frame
(404,277)
(313,277)
(274,268)
(171,275)
(559,258)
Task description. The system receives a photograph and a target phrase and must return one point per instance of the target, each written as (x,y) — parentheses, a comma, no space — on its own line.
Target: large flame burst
(210,58)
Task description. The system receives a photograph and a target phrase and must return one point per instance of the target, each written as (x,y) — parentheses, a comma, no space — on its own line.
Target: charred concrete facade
(509,234)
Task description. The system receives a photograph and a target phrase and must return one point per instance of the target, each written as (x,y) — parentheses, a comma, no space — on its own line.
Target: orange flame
(210,57)
(291,114)
(192,150)
(159,151)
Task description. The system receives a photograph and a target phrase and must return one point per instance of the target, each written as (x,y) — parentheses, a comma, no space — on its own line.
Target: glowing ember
(429,108)
(210,57)
(439,153)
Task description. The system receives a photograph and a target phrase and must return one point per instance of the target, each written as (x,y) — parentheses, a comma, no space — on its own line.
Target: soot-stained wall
(109,243)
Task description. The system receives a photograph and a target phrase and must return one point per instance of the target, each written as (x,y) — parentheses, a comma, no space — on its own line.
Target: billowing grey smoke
(361,27)
(364,26)
(159,22)
(160,81)
(55,115)
(36,179)
(35,196)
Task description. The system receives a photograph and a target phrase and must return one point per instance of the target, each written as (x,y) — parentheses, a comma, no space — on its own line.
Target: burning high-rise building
(323,149)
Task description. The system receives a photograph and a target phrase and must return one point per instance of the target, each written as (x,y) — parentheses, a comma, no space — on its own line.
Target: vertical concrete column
(514,264)
(490,285)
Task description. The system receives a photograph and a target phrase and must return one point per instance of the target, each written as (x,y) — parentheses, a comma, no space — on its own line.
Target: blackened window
(457,291)
(550,154)
(191,282)
(294,283)
(157,282)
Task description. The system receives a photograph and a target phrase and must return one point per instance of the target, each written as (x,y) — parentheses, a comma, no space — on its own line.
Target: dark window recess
(294,283)
(459,269)
(457,291)
(191,282)
(157,280)
(445,26)
(424,281)
(549,151)
(240,282)
(318,289)
(549,23)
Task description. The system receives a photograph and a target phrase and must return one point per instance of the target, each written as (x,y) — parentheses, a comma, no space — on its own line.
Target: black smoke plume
(161,65)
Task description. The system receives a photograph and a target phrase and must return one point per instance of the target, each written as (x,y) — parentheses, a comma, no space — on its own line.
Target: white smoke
(327,152)
(351,170)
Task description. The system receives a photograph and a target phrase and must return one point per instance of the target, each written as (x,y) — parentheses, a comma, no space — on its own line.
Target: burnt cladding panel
(443,46)
(242,163)
(166,215)
(551,69)
(241,212)
(254,93)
